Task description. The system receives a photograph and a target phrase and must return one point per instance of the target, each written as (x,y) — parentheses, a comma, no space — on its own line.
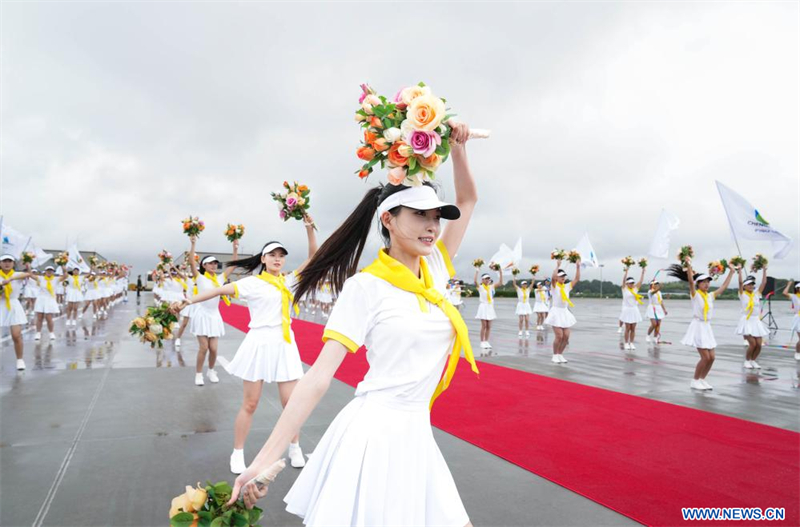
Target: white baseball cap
(419,198)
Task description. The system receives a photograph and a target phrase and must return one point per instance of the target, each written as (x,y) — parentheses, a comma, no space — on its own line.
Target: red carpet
(643,458)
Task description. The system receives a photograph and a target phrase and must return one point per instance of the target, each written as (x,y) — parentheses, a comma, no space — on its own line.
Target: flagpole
(730,224)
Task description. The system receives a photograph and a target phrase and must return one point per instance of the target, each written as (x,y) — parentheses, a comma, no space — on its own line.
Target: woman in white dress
(456,288)
(750,325)
(699,334)
(189,289)
(378,462)
(12,314)
(631,300)
(560,317)
(207,324)
(269,351)
(656,311)
(29,291)
(541,306)
(524,309)
(486,313)
(92,295)
(74,284)
(792,292)
(46,305)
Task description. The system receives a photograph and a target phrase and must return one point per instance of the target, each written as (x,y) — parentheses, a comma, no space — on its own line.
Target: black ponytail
(250,264)
(676,271)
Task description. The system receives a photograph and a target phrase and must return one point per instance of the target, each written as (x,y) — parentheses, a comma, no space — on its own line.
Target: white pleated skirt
(753,327)
(560,317)
(171,296)
(73,295)
(46,304)
(265,356)
(699,335)
(486,312)
(655,312)
(207,323)
(189,310)
(523,308)
(378,465)
(796,323)
(14,316)
(92,294)
(630,315)
(539,307)
(29,292)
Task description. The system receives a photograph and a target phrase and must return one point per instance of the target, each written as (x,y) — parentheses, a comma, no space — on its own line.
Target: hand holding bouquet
(193,226)
(61,259)
(573,256)
(234,232)
(717,267)
(165,256)
(534,270)
(477,263)
(515,271)
(737,262)
(294,202)
(494,266)
(155,326)
(759,262)
(685,254)
(642,263)
(558,254)
(628,262)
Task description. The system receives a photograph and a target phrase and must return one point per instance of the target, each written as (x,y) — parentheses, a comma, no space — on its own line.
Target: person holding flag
(631,300)
(12,314)
(750,325)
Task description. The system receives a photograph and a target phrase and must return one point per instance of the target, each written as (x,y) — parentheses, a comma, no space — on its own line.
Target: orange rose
(375,122)
(364,173)
(395,157)
(380,144)
(369,137)
(431,162)
(302,188)
(366,153)
(396,175)
(425,113)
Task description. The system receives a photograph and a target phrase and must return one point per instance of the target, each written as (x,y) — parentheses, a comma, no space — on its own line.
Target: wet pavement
(102,430)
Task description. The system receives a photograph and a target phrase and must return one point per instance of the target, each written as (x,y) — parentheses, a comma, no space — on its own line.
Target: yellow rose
(197,497)
(412,92)
(150,337)
(431,163)
(180,504)
(150,321)
(139,323)
(425,113)
(301,201)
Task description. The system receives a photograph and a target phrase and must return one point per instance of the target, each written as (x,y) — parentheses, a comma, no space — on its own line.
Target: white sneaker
(177,343)
(519,333)
(647,338)
(198,379)
(619,329)
(296,455)
(38,336)
(237,462)
(748,364)
(527,333)
(212,376)
(696,385)
(20,364)
(94,316)
(555,359)
(562,359)
(488,345)
(633,346)
(755,365)
(80,316)
(797,356)
(706,385)
(52,336)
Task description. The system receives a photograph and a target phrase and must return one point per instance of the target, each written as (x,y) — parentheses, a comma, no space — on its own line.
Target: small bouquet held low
(28,257)
(558,254)
(494,267)
(165,256)
(515,271)
(193,226)
(759,262)
(477,263)
(684,254)
(294,202)
(717,267)
(737,262)
(534,270)
(61,259)
(628,262)
(155,326)
(573,256)
(642,263)
(234,232)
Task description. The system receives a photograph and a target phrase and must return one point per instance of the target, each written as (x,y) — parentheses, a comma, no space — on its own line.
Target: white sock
(238,451)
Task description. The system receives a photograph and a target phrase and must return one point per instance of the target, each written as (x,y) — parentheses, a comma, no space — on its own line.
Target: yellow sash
(387,268)
(750,304)
(704,296)
(488,293)
(213,278)
(183,283)
(543,296)
(77,280)
(49,280)
(7,287)
(636,295)
(525,293)
(564,296)
(287,299)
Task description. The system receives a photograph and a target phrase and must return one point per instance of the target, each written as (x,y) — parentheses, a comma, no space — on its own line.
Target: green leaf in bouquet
(446,146)
(412,162)
(372,162)
(421,84)
(208,515)
(412,171)
(182,519)
(217,522)
(255,515)
(440,150)
(240,520)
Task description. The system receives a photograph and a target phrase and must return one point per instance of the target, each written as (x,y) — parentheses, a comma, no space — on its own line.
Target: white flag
(76,260)
(588,256)
(748,224)
(667,223)
(14,242)
(506,257)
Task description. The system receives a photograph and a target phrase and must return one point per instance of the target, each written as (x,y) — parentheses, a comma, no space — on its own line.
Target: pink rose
(291,202)
(424,143)
(282,214)
(397,175)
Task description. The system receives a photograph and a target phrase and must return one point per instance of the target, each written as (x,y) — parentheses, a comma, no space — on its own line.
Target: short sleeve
(350,316)
(244,287)
(291,280)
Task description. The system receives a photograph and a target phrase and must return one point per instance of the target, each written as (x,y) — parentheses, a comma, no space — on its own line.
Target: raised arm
(641,279)
(311,234)
(466,190)
(228,270)
(690,276)
(500,272)
(763,282)
(476,277)
(192,264)
(514,281)
(724,285)
(624,278)
(577,274)
(789,285)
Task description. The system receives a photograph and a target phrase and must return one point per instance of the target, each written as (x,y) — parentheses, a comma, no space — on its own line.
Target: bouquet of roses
(294,202)
(684,254)
(515,271)
(94,260)
(534,269)
(408,134)
(642,263)
(558,254)
(155,326)
(477,263)
(193,226)
(628,262)
(494,266)
(738,262)
(207,506)
(234,232)
(717,267)
(28,257)
(165,256)
(61,259)
(573,256)
(759,262)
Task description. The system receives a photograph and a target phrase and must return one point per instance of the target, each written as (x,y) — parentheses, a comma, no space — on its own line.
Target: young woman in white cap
(486,313)
(560,317)
(792,292)
(378,462)
(455,288)
(46,305)
(269,351)
(700,335)
(656,311)
(74,284)
(541,306)
(750,325)
(12,314)
(29,291)
(207,324)
(524,309)
(631,300)
(189,289)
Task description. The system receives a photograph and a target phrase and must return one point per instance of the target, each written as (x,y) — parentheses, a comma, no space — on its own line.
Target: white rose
(406,129)
(392,134)
(156,328)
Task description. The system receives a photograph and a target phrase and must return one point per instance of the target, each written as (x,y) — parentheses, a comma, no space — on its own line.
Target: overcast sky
(119,119)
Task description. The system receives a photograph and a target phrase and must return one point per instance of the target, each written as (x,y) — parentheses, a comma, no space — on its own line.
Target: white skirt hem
(265,356)
(486,312)
(560,317)
(699,335)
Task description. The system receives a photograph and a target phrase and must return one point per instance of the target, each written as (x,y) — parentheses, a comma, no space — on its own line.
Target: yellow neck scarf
(287,299)
(636,295)
(750,303)
(96,285)
(387,268)
(704,296)
(488,293)
(77,281)
(7,287)
(525,293)
(213,278)
(564,297)
(542,296)
(49,280)
(183,283)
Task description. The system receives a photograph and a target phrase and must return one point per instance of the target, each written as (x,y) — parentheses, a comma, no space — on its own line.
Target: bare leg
(488,329)
(39,320)
(565,340)
(285,390)
(201,353)
(559,335)
(244,419)
(49,318)
(751,346)
(212,352)
(184,323)
(16,336)
(757,350)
